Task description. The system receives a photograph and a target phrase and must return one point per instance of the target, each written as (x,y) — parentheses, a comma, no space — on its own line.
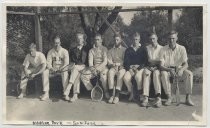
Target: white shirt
(174,57)
(34,61)
(153,52)
(56,59)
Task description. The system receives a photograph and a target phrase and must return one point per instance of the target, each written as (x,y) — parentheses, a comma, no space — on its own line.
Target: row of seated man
(137,62)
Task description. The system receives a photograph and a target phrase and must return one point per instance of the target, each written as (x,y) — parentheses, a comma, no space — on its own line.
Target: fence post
(38,36)
(170,18)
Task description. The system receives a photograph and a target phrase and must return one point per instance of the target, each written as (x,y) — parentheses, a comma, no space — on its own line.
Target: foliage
(190,28)
(143,23)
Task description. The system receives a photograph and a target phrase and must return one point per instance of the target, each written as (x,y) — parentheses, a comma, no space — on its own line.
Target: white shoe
(66,98)
(45,97)
(21,96)
(111,99)
(116,100)
(74,98)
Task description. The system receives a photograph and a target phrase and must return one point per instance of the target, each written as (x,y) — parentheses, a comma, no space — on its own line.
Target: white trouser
(147,79)
(75,79)
(111,76)
(87,75)
(47,74)
(23,82)
(187,77)
(138,77)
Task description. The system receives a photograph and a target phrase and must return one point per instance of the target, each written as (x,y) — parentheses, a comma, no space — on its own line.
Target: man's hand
(173,73)
(121,67)
(32,76)
(131,72)
(53,70)
(27,74)
(180,72)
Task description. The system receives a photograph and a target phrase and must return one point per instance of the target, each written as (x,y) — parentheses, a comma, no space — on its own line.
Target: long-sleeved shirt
(57,59)
(78,55)
(116,55)
(135,57)
(98,56)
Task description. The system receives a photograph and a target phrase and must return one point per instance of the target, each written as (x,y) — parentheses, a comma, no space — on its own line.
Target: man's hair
(98,34)
(32,45)
(172,32)
(82,33)
(117,35)
(56,37)
(152,33)
(136,34)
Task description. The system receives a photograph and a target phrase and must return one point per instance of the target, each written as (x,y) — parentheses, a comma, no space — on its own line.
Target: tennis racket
(37,69)
(97,91)
(177,93)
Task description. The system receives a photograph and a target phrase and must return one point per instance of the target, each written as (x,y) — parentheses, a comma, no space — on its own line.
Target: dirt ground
(31,108)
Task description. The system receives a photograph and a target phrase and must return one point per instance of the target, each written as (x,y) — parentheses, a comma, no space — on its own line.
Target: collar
(33,56)
(58,49)
(138,45)
(98,47)
(135,47)
(154,47)
(118,47)
(174,48)
(80,46)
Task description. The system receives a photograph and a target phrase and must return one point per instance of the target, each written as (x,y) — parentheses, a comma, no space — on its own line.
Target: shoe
(168,102)
(21,96)
(158,102)
(74,98)
(116,100)
(66,98)
(107,95)
(44,97)
(111,99)
(144,102)
(189,102)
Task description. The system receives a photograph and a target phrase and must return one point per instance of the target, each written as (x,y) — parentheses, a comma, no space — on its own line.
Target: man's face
(172,39)
(153,39)
(117,41)
(80,39)
(136,40)
(57,43)
(32,52)
(98,41)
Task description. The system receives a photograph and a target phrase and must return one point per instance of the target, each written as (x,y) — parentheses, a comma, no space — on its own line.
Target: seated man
(152,68)
(174,64)
(97,58)
(115,62)
(57,60)
(134,62)
(78,55)
(34,64)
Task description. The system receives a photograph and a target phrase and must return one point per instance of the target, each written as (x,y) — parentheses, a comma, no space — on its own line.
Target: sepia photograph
(104,64)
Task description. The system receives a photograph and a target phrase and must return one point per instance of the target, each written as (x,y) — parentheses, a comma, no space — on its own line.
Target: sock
(140,92)
(117,93)
(111,92)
